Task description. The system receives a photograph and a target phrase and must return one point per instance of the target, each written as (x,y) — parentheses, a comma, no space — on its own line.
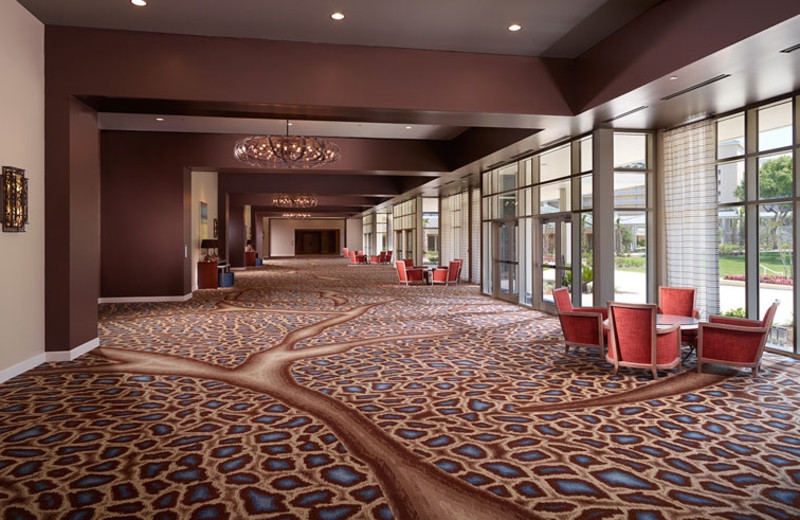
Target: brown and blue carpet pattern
(317,390)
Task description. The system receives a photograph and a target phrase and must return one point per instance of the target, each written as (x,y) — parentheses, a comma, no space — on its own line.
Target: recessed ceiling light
(140,3)
(514,27)
(337,16)
(408,128)
(160,119)
(673,78)
(289,124)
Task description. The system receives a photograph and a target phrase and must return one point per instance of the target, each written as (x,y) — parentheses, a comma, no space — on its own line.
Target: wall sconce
(14,199)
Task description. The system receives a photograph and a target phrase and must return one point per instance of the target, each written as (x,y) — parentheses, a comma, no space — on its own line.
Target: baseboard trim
(147,299)
(75,353)
(22,367)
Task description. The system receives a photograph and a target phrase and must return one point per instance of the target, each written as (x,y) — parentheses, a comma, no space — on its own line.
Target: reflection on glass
(555,164)
(630,151)
(507,205)
(732,301)
(549,243)
(548,284)
(775,176)
(555,197)
(730,137)
(730,182)
(776,270)
(507,178)
(487,236)
(507,258)
(630,190)
(587,190)
(586,155)
(775,127)
(630,256)
(548,261)
(526,260)
(587,260)
(507,241)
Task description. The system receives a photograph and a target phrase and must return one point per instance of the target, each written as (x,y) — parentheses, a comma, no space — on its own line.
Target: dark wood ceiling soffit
(177,107)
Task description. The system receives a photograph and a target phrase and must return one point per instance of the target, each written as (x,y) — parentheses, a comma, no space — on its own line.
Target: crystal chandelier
(285,151)
(299,201)
(297,215)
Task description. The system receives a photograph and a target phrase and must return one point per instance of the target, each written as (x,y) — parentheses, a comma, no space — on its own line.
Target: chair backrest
(563,299)
(453,270)
(676,300)
(769,316)
(388,257)
(401,271)
(409,262)
(353,256)
(460,264)
(346,252)
(633,331)
(382,257)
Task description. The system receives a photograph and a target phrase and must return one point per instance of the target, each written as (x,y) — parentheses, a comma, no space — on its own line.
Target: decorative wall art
(14,199)
(203,220)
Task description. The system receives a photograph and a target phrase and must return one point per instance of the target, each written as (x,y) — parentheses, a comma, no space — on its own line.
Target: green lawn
(735,264)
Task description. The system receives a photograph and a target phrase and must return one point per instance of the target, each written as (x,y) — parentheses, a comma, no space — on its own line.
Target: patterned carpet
(313,389)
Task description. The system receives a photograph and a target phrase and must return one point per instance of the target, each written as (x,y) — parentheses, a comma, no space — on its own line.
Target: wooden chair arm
(749,329)
(740,322)
(578,313)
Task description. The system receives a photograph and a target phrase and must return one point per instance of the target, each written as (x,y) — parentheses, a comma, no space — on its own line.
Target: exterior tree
(775,181)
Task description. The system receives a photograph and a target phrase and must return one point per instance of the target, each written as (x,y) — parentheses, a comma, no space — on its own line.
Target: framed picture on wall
(203,220)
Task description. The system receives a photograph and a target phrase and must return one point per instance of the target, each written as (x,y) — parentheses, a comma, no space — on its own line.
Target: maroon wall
(143,216)
(72,196)
(665,38)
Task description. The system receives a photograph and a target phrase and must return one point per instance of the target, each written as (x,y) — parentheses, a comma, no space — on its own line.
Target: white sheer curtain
(690,194)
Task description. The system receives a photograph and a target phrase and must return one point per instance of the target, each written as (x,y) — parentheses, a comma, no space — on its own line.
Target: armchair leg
(755,371)
(655,373)
(699,367)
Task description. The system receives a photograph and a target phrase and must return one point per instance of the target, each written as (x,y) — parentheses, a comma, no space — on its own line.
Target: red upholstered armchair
(357,257)
(734,342)
(679,301)
(447,275)
(388,258)
(635,340)
(409,275)
(379,258)
(582,326)
(346,252)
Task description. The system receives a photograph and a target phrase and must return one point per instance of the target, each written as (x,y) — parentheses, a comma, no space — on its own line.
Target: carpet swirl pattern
(315,389)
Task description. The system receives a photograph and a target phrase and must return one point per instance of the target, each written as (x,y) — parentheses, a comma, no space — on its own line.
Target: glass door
(556,264)
(506,260)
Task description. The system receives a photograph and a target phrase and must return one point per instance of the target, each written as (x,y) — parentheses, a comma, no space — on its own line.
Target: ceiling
(550,28)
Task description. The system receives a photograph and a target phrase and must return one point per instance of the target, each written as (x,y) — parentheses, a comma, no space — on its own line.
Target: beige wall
(21,145)
(204,188)
(355,234)
(281,238)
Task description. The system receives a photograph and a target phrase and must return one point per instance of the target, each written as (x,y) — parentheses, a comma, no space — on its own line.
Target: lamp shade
(209,243)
